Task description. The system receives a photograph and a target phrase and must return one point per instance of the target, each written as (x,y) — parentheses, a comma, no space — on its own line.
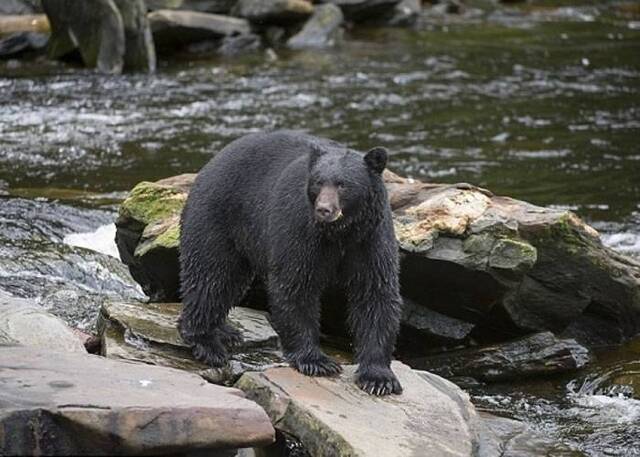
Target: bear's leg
(214,279)
(295,314)
(375,309)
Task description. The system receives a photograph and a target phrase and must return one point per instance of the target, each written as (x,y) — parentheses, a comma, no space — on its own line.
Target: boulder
(505,266)
(405,13)
(140,51)
(533,355)
(333,417)
(147,332)
(273,11)
(20,7)
(61,403)
(321,30)
(24,322)
(20,31)
(110,35)
(175,28)
(365,10)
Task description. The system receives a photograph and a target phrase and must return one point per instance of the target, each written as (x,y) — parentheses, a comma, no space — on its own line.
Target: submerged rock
(534,355)
(505,266)
(321,30)
(60,403)
(24,322)
(147,332)
(173,28)
(333,417)
(273,11)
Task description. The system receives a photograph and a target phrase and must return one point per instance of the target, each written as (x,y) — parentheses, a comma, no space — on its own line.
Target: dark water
(540,104)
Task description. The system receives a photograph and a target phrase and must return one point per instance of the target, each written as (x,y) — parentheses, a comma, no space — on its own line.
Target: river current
(541,104)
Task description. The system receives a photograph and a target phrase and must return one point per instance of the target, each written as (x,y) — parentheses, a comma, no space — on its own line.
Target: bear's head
(342,183)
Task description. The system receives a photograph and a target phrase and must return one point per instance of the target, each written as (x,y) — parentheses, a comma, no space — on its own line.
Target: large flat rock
(55,403)
(24,322)
(147,332)
(333,417)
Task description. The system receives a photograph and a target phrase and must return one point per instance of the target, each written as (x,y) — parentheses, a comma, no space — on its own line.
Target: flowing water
(542,104)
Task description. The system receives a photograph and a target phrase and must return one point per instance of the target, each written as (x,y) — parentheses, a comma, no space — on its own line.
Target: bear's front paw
(228,335)
(316,364)
(378,380)
(214,356)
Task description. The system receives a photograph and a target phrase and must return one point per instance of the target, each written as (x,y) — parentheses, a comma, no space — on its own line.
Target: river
(541,104)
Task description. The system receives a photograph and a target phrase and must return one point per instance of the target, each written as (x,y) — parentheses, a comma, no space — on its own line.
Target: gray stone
(57,403)
(147,332)
(94,28)
(203,6)
(140,51)
(175,28)
(333,417)
(535,355)
(111,35)
(405,13)
(19,7)
(273,11)
(321,30)
(26,323)
(425,327)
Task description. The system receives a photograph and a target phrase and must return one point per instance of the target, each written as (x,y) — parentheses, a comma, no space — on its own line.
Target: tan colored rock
(332,417)
(26,323)
(55,403)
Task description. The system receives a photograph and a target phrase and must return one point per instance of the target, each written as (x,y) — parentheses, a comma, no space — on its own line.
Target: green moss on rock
(150,202)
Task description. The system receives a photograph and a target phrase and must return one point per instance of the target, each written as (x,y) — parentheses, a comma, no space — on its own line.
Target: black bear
(301,214)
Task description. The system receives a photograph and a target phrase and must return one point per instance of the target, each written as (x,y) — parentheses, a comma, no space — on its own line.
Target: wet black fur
(250,214)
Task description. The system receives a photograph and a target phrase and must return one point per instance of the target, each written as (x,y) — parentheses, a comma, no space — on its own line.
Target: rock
(321,30)
(365,10)
(173,28)
(507,267)
(148,234)
(404,13)
(203,6)
(147,332)
(534,355)
(423,326)
(26,323)
(20,31)
(273,11)
(20,7)
(333,417)
(57,403)
(140,51)
(108,38)
(238,44)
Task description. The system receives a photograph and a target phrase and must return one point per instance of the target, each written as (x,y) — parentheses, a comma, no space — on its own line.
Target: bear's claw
(215,357)
(317,365)
(378,381)
(228,335)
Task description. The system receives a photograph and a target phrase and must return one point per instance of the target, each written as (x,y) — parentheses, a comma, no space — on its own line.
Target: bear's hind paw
(317,365)
(378,381)
(228,335)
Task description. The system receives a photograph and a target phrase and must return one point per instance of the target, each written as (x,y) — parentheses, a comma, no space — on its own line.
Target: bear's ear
(315,153)
(376,159)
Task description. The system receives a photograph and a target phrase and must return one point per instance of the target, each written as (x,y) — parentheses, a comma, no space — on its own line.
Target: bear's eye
(339,184)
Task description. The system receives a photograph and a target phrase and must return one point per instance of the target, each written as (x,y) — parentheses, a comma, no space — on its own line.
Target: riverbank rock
(57,403)
(24,322)
(534,355)
(174,28)
(203,6)
(110,35)
(505,266)
(323,29)
(147,332)
(333,417)
(264,12)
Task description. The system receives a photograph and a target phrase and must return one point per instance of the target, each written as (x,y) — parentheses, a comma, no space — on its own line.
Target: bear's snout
(327,207)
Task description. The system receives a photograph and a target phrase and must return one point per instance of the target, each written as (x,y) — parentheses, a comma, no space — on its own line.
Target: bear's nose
(324,212)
